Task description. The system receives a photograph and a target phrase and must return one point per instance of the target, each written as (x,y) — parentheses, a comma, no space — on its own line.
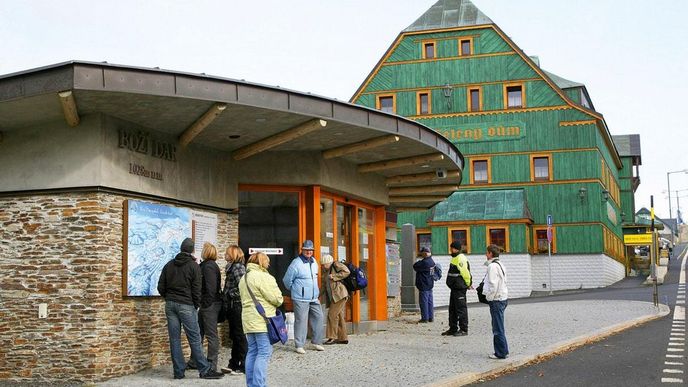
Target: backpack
(356,280)
(436,272)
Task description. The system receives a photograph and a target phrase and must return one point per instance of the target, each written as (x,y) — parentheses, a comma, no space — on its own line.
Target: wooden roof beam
(201,123)
(417,199)
(359,146)
(71,114)
(424,190)
(278,139)
(421,177)
(399,163)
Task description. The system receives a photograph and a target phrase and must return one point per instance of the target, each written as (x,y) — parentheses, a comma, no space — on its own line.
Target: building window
(540,168)
(514,96)
(480,171)
(498,236)
(423,240)
(584,99)
(465,47)
(463,237)
(540,240)
(423,102)
(475,100)
(386,103)
(428,50)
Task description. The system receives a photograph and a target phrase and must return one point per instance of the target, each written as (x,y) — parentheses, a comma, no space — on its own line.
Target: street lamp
(669,190)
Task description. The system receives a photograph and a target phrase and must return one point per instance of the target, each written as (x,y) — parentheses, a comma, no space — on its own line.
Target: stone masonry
(65,250)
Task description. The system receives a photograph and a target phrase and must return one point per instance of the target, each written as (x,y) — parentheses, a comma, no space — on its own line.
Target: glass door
(366,243)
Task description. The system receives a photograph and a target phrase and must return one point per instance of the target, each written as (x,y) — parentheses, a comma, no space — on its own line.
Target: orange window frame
(425,44)
(469,100)
(470,42)
(489,171)
(506,95)
(419,104)
(394,101)
(450,232)
(506,235)
(550,169)
(535,239)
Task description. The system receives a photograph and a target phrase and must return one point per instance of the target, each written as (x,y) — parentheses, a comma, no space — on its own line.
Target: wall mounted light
(623,217)
(582,193)
(448,90)
(605,195)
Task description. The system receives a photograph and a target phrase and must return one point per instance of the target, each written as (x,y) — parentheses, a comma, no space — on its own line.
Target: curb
(555,349)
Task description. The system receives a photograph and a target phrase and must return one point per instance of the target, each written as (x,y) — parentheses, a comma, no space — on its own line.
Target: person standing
(234,271)
(264,288)
(496,292)
(424,284)
(301,279)
(180,286)
(336,295)
(458,281)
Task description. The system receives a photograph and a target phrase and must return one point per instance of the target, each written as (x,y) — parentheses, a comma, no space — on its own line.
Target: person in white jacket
(496,293)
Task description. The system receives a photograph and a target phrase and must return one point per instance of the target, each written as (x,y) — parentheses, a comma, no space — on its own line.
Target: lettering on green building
(484,132)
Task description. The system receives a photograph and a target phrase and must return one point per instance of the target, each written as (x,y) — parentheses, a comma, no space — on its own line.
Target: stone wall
(576,271)
(65,250)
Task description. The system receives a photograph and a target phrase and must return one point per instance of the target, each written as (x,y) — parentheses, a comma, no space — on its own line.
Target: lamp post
(669,190)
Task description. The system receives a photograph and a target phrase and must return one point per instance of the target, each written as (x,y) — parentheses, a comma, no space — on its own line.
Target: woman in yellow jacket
(266,291)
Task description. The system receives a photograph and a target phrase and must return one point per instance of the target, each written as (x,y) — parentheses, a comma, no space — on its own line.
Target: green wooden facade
(556,121)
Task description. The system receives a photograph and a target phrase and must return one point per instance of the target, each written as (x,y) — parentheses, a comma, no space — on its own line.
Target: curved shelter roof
(241,119)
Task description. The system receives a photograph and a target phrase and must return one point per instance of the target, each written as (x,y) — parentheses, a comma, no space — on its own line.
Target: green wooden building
(534,146)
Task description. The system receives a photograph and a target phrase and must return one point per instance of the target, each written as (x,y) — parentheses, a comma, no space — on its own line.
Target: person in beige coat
(335,294)
(264,288)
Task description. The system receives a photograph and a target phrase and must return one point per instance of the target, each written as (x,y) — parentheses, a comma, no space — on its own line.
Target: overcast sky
(631,54)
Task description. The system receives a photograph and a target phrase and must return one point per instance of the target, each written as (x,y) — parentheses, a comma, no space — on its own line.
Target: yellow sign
(638,239)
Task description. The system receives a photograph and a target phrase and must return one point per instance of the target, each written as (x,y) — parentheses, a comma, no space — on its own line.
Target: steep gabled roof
(450,14)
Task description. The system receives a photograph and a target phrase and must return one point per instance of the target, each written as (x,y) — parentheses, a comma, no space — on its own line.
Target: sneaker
(300,351)
(448,332)
(422,321)
(342,342)
(179,376)
(460,333)
(493,356)
(212,374)
(226,370)
(237,372)
(318,347)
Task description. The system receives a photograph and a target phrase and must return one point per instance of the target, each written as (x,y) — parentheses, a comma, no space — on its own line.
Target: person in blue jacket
(424,284)
(301,279)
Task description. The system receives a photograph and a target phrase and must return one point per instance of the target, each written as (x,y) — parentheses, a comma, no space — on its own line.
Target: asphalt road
(636,357)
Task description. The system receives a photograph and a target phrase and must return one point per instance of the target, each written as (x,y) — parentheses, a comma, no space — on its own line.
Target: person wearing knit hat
(336,295)
(458,280)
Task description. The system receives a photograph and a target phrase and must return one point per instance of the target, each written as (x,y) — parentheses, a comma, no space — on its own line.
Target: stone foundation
(65,250)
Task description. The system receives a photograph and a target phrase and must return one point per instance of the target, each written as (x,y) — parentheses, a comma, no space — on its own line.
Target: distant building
(534,146)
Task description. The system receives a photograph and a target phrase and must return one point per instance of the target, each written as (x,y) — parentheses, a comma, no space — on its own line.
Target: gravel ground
(414,354)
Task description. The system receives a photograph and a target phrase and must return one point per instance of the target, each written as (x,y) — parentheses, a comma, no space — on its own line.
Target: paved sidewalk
(414,354)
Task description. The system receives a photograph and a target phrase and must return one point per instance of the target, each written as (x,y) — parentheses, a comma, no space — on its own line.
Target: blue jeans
(307,313)
(501,348)
(257,358)
(426,304)
(186,315)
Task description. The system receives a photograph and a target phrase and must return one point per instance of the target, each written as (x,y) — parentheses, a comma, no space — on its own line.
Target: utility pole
(653,248)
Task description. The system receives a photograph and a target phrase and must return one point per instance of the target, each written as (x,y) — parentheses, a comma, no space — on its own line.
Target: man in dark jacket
(424,284)
(180,286)
(458,280)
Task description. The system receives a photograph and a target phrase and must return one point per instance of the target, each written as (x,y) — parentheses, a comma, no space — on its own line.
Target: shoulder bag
(277,327)
(479,289)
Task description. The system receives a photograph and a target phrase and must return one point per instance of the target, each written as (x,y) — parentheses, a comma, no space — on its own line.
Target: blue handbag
(277,327)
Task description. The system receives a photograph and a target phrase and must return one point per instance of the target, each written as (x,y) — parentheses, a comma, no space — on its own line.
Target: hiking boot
(212,374)
(460,333)
(449,332)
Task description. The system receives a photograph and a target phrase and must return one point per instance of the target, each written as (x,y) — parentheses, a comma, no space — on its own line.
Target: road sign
(638,239)
(549,234)
(549,220)
(266,250)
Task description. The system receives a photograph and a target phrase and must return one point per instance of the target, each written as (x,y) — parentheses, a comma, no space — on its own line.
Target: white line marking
(672,371)
(677,334)
(674,356)
(672,380)
(676,344)
(675,349)
(679,313)
(676,339)
(673,363)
